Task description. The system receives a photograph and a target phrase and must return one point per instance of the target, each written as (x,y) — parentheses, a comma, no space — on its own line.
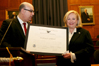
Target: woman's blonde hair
(79,24)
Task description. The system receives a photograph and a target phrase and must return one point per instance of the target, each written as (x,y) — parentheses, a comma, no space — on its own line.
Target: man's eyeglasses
(29,10)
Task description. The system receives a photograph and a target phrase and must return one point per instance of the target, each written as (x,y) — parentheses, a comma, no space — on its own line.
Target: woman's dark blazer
(81,44)
(15,36)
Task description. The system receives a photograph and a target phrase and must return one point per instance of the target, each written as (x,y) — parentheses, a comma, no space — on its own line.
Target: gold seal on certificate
(46,40)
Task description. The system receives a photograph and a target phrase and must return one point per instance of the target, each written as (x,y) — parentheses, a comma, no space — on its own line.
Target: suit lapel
(75,36)
(18,26)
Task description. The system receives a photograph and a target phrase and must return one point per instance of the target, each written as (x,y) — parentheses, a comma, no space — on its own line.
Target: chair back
(96,56)
(97,43)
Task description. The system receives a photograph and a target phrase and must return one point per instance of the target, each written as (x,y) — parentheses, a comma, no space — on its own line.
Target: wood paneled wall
(7,5)
(74,5)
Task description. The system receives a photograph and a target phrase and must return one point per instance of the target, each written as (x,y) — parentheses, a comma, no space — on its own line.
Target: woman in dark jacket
(80,43)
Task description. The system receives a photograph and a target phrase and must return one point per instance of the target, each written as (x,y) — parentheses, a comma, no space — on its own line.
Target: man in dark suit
(14,15)
(85,17)
(15,36)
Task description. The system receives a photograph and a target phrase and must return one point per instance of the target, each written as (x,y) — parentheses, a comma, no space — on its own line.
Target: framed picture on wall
(87,15)
(11,13)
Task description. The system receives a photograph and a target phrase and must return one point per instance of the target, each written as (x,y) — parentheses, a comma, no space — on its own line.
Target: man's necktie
(25,27)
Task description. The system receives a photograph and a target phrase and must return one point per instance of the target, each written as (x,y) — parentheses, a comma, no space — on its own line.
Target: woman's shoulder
(82,30)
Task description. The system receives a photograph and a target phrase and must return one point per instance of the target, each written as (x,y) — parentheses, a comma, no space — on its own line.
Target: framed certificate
(46,40)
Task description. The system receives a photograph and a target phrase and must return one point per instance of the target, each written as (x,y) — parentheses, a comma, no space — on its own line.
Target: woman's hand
(67,55)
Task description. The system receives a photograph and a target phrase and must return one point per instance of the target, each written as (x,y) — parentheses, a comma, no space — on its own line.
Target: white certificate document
(48,40)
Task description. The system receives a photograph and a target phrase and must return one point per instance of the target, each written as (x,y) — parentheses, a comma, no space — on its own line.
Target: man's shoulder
(83,13)
(9,20)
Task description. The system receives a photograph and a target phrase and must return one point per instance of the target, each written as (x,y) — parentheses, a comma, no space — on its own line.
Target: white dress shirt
(73,57)
(21,23)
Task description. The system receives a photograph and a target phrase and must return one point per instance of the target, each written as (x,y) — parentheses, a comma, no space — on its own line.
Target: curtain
(49,12)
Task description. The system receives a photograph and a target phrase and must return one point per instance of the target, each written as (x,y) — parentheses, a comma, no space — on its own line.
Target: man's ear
(22,11)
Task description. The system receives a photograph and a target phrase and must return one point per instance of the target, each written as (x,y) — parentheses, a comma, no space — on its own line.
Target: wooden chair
(96,56)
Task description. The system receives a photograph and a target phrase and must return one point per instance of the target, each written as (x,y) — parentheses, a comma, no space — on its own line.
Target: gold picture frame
(88,17)
(9,12)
